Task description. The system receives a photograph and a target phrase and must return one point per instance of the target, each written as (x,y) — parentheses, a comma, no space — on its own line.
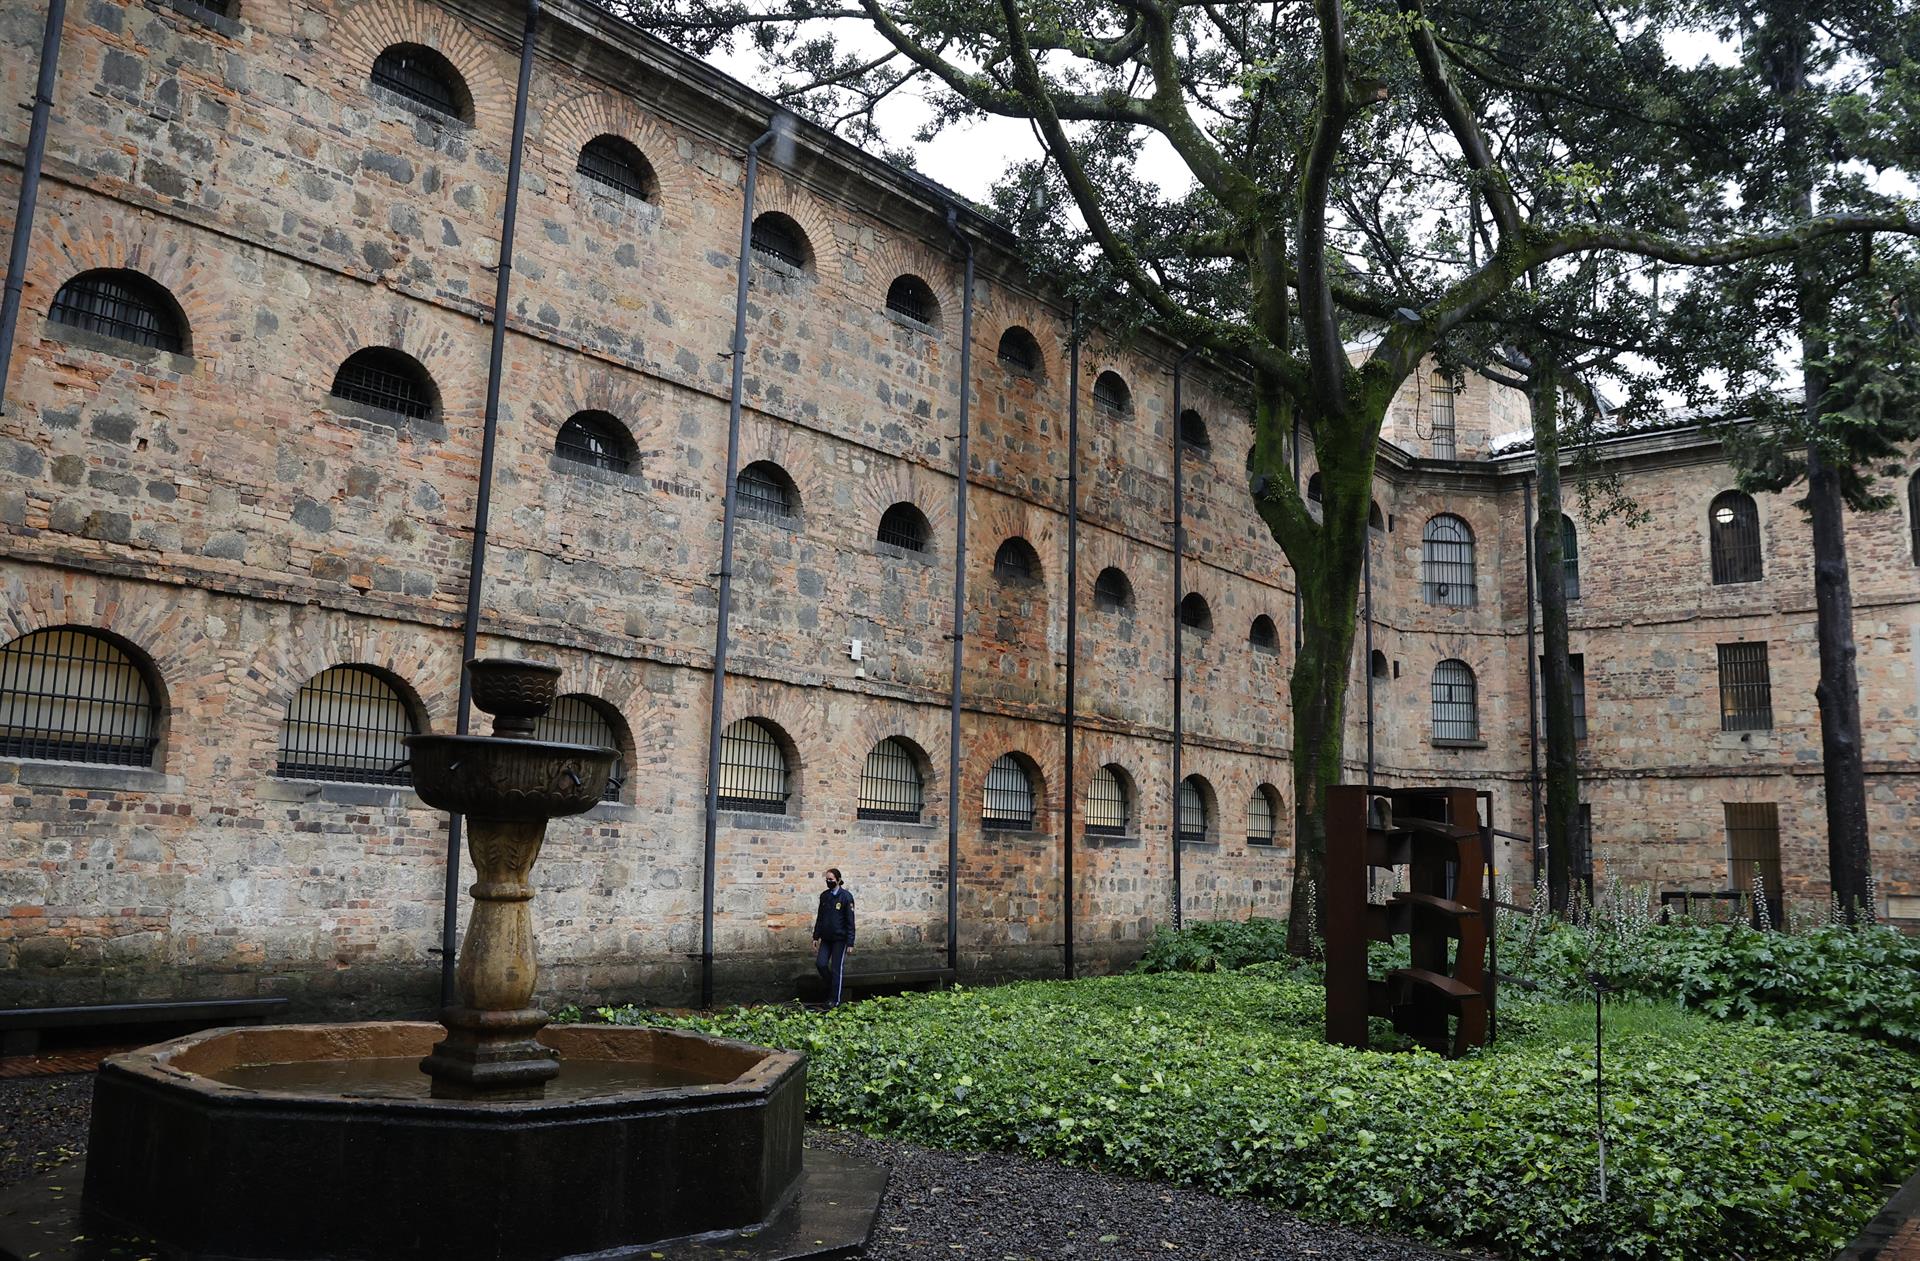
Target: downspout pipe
(1179,594)
(961,467)
(1073,629)
(1533,691)
(779,125)
(483,501)
(1366,574)
(30,166)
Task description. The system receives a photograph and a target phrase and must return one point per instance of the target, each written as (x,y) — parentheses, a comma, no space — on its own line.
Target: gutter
(959,598)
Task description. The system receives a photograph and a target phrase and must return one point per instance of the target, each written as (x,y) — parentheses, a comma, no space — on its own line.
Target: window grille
(597,439)
(1193,433)
(575,719)
(71,696)
(1456,710)
(1107,813)
(1193,809)
(1444,446)
(1009,797)
(1260,816)
(385,379)
(123,305)
(1446,562)
(753,770)
(1379,664)
(1753,846)
(904,526)
(422,76)
(1110,394)
(778,237)
(912,297)
(1570,556)
(1746,688)
(1016,561)
(1264,636)
(1913,514)
(1734,538)
(1019,351)
(1112,593)
(890,785)
(1577,667)
(1194,613)
(349,725)
(764,493)
(611,161)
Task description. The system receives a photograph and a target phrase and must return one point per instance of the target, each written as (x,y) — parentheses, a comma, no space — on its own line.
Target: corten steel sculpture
(1437,835)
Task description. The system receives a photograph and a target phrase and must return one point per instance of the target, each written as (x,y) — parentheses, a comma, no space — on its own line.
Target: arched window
(1570,556)
(1733,532)
(1194,613)
(75,695)
(1196,809)
(1444,445)
(1913,514)
(905,527)
(597,439)
(123,305)
(1377,664)
(1446,562)
(913,297)
(1008,803)
(1109,802)
(425,80)
(1193,433)
(1016,561)
(614,163)
(1111,395)
(348,724)
(1376,519)
(1112,593)
(778,237)
(1456,707)
(1316,496)
(388,381)
(1263,815)
(891,788)
(764,492)
(1020,352)
(753,769)
(1265,636)
(578,719)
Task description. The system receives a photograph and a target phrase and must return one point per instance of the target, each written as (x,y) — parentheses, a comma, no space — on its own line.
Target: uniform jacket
(834,922)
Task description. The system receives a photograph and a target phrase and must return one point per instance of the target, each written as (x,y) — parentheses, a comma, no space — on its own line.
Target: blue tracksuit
(833,928)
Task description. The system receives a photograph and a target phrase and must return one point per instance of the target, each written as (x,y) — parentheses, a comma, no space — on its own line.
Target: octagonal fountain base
(321,1141)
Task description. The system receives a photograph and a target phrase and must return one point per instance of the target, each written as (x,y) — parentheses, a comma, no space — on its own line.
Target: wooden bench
(21,1027)
(810,988)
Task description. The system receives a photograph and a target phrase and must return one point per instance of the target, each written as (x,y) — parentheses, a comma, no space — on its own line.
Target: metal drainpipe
(1073,623)
(1366,573)
(1179,660)
(711,844)
(1533,699)
(959,599)
(1295,470)
(30,165)
(483,503)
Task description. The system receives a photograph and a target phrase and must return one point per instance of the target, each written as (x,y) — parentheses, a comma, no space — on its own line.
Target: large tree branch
(1460,118)
(1324,351)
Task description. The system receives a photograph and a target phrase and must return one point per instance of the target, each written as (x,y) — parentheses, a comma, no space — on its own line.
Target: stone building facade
(243,522)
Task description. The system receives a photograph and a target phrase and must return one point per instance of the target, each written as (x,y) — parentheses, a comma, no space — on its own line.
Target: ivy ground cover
(1723,1139)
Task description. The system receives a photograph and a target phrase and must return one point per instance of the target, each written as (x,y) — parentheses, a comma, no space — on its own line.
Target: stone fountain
(488,1135)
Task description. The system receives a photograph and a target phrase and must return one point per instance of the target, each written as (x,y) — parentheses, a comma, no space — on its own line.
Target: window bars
(1016,561)
(1193,810)
(1260,812)
(1570,556)
(1446,562)
(890,785)
(421,75)
(120,304)
(780,238)
(575,719)
(611,161)
(1111,395)
(72,696)
(1019,351)
(1456,709)
(1733,535)
(1194,613)
(1577,667)
(387,380)
(1106,803)
(1112,593)
(912,297)
(763,493)
(904,526)
(1444,446)
(349,725)
(1008,801)
(1746,688)
(1753,846)
(753,770)
(595,439)
(1265,636)
(1193,432)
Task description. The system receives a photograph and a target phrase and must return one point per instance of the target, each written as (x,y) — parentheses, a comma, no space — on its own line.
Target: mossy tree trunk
(1550,580)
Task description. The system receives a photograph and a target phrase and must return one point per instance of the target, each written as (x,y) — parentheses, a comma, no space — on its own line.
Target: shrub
(1216,946)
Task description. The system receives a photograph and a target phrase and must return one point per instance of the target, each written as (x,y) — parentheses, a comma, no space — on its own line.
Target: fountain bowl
(512,689)
(514,781)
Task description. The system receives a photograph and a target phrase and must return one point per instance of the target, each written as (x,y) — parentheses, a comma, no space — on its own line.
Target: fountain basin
(509,780)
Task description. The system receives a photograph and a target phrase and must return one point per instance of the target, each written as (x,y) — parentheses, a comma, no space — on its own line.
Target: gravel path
(43,1123)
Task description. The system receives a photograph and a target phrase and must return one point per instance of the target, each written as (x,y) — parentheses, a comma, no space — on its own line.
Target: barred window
(1263,815)
(1746,688)
(597,439)
(778,237)
(1446,562)
(387,380)
(1193,433)
(1913,514)
(1577,667)
(1020,352)
(615,163)
(1378,665)
(905,526)
(423,78)
(1444,390)
(1570,556)
(913,297)
(348,724)
(753,769)
(578,719)
(1753,846)
(1733,538)
(764,492)
(74,695)
(1108,812)
(1195,809)
(1016,561)
(1194,613)
(123,305)
(1111,395)
(1265,636)
(1112,593)
(1008,801)
(890,785)
(1456,709)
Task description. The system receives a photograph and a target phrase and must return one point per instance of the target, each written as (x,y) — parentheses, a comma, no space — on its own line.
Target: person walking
(833,934)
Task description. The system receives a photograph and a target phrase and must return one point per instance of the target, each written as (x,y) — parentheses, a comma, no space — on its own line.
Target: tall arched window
(1112,593)
(123,305)
(891,788)
(1196,809)
(1008,803)
(764,492)
(389,381)
(1570,555)
(1195,614)
(1111,395)
(1456,705)
(1193,433)
(778,237)
(1733,536)
(349,724)
(1265,636)
(1444,445)
(905,527)
(579,719)
(614,163)
(424,80)
(753,769)
(597,439)
(1446,562)
(1020,352)
(913,297)
(1016,561)
(75,695)
(1263,815)
(1109,802)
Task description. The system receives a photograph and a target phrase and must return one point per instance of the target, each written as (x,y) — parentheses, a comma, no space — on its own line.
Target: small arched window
(75,695)
(764,492)
(1733,530)
(891,787)
(1020,352)
(348,724)
(1570,556)
(1316,496)
(1265,636)
(1109,802)
(1913,514)
(1376,520)
(1193,433)
(424,80)
(1195,613)
(614,163)
(1196,809)
(1111,395)
(1377,664)
(905,527)
(579,719)
(388,381)
(913,298)
(778,237)
(1009,800)
(1016,561)
(123,305)
(597,439)
(1112,593)
(753,769)
(1456,706)
(1446,562)
(1263,815)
